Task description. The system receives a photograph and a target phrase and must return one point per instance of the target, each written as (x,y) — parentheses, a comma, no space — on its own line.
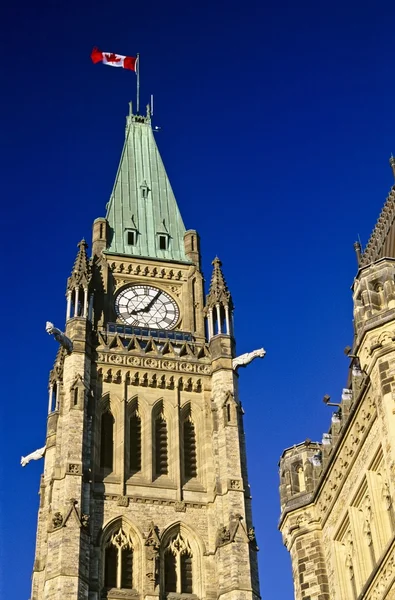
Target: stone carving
(73,469)
(123,501)
(235,484)
(59,336)
(244,359)
(386,495)
(57,520)
(180,506)
(223,536)
(85,520)
(36,455)
(152,544)
(252,538)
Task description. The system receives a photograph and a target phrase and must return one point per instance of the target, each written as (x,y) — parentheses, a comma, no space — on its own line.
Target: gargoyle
(59,337)
(36,455)
(244,359)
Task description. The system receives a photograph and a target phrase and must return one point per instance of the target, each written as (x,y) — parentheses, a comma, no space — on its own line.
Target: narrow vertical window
(178,565)
(118,561)
(75,399)
(135,443)
(127,568)
(110,567)
(107,441)
(161,460)
(186,573)
(170,572)
(190,461)
(163,242)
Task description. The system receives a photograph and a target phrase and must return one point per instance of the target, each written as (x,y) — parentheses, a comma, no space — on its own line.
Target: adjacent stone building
(145,491)
(337,510)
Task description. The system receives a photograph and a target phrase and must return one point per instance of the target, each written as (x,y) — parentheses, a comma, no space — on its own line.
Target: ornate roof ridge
(380,231)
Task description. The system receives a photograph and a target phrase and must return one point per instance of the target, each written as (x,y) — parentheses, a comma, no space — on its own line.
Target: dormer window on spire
(144,190)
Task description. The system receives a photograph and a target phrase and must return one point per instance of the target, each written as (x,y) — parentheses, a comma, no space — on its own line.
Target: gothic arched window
(178,566)
(135,442)
(107,441)
(118,561)
(161,457)
(189,449)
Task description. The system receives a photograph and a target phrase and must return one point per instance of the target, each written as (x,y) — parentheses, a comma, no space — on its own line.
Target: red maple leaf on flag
(112,58)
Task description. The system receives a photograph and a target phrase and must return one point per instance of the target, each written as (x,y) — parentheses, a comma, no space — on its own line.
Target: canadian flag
(114,60)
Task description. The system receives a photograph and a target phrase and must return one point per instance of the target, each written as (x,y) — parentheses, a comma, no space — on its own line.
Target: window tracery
(178,563)
(118,561)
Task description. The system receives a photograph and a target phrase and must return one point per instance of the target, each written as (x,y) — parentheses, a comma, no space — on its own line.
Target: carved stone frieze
(165,364)
(143,271)
(151,379)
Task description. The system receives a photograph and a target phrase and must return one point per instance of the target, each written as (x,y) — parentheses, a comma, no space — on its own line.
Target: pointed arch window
(118,561)
(189,449)
(161,451)
(178,566)
(135,442)
(107,441)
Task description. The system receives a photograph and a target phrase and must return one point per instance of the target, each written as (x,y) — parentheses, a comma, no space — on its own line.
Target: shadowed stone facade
(145,491)
(337,513)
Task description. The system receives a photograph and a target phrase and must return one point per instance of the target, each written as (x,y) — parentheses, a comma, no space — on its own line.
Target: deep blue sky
(277,125)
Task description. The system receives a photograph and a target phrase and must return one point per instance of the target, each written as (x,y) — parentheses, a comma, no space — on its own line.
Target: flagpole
(138,84)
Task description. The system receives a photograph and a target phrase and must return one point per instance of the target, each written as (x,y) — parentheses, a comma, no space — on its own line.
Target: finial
(82,244)
(357,248)
(217,262)
(392,163)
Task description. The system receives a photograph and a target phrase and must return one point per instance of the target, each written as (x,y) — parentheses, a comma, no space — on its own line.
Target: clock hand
(150,304)
(148,307)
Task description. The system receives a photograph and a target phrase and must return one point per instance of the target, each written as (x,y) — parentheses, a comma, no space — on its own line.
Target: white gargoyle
(36,455)
(59,336)
(244,359)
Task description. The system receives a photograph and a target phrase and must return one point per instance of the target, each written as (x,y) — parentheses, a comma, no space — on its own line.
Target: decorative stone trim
(74,468)
(164,364)
(235,484)
(123,501)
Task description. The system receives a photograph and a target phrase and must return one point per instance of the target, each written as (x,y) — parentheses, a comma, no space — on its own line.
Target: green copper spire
(142,212)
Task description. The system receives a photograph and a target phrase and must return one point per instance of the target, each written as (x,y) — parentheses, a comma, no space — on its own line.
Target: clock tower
(145,491)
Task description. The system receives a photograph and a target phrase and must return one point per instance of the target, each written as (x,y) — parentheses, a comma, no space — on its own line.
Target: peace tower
(145,491)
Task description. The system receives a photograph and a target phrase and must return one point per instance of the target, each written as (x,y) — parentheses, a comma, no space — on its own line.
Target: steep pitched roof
(80,274)
(218,292)
(382,240)
(142,199)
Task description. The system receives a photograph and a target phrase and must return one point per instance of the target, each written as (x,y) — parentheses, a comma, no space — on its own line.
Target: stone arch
(197,548)
(126,529)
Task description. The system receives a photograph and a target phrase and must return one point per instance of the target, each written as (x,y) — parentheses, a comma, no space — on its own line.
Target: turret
(219,304)
(77,294)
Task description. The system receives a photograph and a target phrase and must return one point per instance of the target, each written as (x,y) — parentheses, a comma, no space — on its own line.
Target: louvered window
(161,460)
(178,564)
(135,443)
(111,567)
(190,460)
(118,557)
(186,573)
(107,441)
(170,572)
(127,568)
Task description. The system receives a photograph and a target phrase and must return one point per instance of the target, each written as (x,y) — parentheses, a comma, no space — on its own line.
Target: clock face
(146,306)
